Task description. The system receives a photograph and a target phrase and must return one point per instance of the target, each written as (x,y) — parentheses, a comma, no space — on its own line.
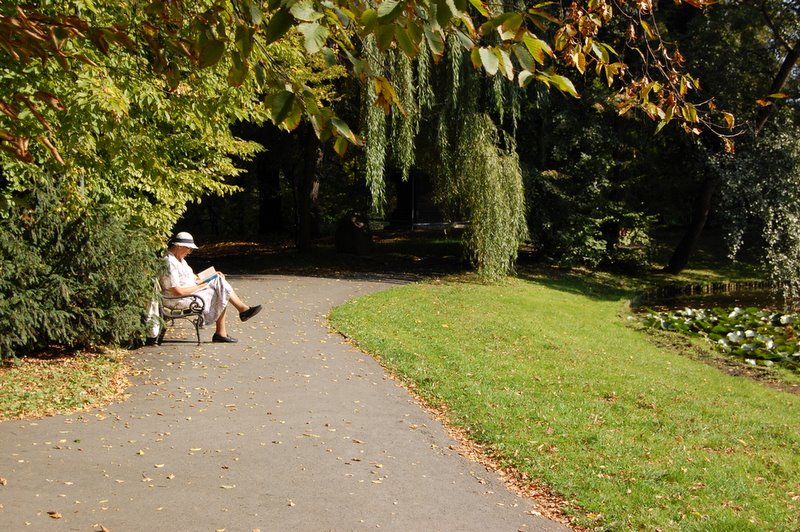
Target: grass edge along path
(550,379)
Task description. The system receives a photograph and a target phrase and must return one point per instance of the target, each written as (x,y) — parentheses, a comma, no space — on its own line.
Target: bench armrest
(195,306)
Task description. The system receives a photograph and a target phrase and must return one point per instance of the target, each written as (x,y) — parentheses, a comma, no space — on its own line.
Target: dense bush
(575,223)
(70,276)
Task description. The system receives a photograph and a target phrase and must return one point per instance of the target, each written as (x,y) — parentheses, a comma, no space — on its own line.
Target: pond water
(762,297)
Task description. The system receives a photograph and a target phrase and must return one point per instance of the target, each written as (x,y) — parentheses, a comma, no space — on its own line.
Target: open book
(207,275)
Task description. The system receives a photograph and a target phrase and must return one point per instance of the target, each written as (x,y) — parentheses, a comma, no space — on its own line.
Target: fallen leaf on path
(54,515)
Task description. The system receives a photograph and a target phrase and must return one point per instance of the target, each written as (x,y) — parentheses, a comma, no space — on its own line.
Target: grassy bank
(548,374)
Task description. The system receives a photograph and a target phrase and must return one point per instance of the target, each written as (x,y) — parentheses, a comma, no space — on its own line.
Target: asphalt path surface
(289,429)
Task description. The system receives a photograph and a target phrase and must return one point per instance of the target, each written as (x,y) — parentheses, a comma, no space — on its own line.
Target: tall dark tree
(745,53)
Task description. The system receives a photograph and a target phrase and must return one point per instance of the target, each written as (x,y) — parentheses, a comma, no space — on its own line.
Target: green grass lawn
(550,376)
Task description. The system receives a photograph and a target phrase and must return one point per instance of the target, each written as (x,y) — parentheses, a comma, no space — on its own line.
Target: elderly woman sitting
(180,280)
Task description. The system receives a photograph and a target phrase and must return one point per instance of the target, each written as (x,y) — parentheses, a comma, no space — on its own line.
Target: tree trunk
(307,189)
(789,62)
(700,211)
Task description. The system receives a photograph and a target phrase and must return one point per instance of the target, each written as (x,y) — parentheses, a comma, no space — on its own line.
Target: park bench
(191,310)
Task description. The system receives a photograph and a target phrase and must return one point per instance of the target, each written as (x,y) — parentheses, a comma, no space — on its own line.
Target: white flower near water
(787,319)
(736,313)
(735,337)
(749,333)
(766,341)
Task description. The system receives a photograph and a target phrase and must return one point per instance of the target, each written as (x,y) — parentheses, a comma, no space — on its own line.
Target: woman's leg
(220,324)
(238,303)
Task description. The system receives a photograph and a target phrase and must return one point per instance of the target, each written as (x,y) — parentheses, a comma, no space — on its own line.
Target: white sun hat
(183,239)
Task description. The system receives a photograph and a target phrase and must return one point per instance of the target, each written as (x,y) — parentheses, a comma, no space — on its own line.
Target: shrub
(70,276)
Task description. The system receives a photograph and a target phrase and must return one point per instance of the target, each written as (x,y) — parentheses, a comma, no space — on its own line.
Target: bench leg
(197,328)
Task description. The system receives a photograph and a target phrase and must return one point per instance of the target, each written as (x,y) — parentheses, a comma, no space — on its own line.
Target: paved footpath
(290,429)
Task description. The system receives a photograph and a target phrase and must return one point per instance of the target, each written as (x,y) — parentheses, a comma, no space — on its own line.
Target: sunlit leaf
(510,26)
(304,10)
(388,10)
(435,41)
(344,130)
(730,120)
(505,64)
(475,57)
(477,4)
(489,60)
(524,78)
(340,145)
(315,35)
(538,48)
(564,84)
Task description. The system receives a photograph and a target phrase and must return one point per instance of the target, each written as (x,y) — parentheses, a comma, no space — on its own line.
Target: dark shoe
(226,339)
(150,340)
(249,313)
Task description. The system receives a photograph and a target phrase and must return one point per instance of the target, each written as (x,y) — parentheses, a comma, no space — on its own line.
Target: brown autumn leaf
(54,515)
(3,482)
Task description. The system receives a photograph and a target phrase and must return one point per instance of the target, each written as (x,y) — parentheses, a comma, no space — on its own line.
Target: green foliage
(761,202)
(490,195)
(145,142)
(575,223)
(70,276)
(375,150)
(582,184)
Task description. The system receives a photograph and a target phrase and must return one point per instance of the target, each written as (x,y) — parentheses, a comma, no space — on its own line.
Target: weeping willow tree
(458,125)
(761,201)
